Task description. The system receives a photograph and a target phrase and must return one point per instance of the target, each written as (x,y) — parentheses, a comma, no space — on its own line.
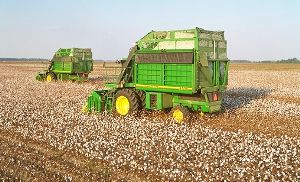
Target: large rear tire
(126,102)
(181,114)
(142,99)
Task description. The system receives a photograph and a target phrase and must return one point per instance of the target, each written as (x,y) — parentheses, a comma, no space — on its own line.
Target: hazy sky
(254,29)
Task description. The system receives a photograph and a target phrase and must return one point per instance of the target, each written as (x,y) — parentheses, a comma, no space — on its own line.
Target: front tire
(181,114)
(126,102)
(50,77)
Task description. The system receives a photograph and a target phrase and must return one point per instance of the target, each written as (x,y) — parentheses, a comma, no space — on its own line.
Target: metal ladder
(122,77)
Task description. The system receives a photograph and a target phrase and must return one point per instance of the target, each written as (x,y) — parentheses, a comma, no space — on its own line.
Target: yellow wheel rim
(84,108)
(122,105)
(49,78)
(178,116)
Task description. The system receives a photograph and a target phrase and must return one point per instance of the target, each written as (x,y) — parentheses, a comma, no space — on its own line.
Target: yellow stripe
(161,86)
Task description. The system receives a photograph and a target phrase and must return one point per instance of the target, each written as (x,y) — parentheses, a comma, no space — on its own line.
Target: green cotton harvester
(181,70)
(73,64)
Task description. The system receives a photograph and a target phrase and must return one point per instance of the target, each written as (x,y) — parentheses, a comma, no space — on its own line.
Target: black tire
(186,114)
(132,98)
(52,75)
(142,99)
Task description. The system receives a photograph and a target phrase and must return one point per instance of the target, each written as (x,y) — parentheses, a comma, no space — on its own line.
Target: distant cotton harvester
(68,64)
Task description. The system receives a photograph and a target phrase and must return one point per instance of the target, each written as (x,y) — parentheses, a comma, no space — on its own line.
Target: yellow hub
(49,78)
(122,105)
(201,114)
(178,116)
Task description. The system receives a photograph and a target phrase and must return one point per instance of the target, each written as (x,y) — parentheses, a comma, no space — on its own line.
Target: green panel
(149,74)
(165,77)
(79,67)
(67,66)
(82,67)
(180,75)
(62,67)
(72,67)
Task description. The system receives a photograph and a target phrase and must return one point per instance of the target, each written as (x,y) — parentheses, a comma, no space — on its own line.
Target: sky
(254,29)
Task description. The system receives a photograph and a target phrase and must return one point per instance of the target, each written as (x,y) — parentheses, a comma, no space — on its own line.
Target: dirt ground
(45,137)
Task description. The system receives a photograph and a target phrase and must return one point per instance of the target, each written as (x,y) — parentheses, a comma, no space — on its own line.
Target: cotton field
(44,135)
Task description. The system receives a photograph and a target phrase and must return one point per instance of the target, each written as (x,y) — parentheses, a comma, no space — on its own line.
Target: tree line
(291,60)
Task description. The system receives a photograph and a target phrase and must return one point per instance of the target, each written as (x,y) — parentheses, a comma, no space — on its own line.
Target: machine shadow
(238,97)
